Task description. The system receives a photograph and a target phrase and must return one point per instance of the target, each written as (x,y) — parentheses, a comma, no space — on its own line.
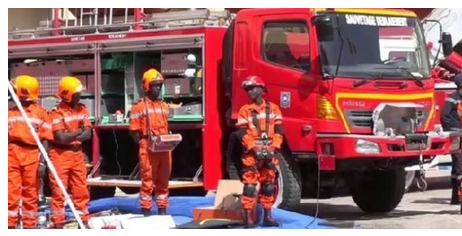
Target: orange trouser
(255,173)
(155,174)
(71,169)
(23,161)
(460,188)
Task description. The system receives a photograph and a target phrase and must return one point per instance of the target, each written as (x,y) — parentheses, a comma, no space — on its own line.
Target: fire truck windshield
(373,44)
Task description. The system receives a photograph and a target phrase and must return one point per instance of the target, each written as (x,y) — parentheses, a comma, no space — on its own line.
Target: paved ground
(427,210)
(422,210)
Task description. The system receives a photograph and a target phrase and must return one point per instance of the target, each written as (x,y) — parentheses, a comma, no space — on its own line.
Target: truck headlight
(365,147)
(455,144)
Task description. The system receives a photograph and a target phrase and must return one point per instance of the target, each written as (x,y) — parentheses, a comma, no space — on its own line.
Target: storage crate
(177,86)
(174,64)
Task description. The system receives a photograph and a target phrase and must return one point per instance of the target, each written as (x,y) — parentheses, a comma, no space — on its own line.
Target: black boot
(268,220)
(248,220)
(146,212)
(162,211)
(455,189)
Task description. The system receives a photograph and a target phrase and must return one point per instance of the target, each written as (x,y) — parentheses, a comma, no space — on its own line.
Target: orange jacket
(18,129)
(246,120)
(158,117)
(69,119)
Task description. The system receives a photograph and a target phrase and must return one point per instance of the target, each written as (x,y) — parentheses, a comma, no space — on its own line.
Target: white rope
(45,155)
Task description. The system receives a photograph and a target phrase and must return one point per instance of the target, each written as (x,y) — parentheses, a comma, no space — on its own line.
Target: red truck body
(327,118)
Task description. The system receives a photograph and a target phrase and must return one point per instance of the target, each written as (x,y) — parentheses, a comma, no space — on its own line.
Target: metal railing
(82,21)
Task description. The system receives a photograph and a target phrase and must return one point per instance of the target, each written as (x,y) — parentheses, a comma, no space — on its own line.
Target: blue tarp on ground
(181,208)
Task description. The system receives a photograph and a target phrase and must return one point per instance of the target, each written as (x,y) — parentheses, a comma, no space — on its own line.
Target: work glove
(41,170)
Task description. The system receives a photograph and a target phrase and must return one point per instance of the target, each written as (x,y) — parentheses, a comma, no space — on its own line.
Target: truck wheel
(378,191)
(288,183)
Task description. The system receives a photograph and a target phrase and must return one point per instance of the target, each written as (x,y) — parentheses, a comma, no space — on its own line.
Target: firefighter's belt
(261,142)
(69,147)
(211,224)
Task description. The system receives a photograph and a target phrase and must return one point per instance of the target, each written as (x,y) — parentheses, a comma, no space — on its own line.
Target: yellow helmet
(151,75)
(27,87)
(67,87)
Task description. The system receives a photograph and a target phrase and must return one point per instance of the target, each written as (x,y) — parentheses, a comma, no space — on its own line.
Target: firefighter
(148,118)
(26,165)
(71,126)
(451,118)
(260,130)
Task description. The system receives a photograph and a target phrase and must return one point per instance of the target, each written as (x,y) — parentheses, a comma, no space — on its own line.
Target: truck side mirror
(446,42)
(324,28)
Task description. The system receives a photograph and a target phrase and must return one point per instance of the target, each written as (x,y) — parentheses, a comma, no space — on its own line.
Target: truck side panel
(214,108)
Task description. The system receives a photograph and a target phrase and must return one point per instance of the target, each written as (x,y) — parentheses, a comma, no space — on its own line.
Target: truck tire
(410,179)
(378,191)
(287,179)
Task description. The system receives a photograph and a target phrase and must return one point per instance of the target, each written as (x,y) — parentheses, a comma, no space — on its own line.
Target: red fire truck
(351,115)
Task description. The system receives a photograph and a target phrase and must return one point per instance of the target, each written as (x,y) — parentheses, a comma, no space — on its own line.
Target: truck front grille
(363,118)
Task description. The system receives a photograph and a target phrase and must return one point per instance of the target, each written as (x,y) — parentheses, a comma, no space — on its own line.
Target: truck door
(275,45)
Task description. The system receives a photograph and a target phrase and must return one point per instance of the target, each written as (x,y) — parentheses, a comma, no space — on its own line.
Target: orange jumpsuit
(68,160)
(256,119)
(23,162)
(155,167)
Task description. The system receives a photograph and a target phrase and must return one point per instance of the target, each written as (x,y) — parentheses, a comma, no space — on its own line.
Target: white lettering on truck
(375,20)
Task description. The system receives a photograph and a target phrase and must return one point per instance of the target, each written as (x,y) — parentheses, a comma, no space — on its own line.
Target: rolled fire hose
(45,155)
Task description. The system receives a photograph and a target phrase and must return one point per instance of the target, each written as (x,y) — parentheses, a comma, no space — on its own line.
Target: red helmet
(254,81)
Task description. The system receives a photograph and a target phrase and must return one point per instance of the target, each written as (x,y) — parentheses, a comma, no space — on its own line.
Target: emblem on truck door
(285,100)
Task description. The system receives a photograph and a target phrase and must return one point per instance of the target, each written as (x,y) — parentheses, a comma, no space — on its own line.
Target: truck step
(173,184)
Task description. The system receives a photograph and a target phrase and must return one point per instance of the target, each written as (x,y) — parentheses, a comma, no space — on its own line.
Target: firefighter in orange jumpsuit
(71,126)
(260,130)
(149,117)
(26,165)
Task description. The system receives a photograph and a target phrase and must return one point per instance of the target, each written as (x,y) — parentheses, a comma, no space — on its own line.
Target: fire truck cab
(350,117)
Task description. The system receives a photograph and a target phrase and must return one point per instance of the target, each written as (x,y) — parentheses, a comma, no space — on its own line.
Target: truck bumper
(345,146)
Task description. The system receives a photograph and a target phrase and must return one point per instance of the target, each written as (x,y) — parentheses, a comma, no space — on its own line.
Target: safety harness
(151,137)
(255,113)
(148,124)
(263,135)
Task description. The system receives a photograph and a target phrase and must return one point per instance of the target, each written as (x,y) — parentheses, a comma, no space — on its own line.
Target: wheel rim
(279,186)
(410,175)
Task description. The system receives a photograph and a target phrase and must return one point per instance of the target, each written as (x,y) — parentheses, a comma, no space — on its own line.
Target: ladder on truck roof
(83,21)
